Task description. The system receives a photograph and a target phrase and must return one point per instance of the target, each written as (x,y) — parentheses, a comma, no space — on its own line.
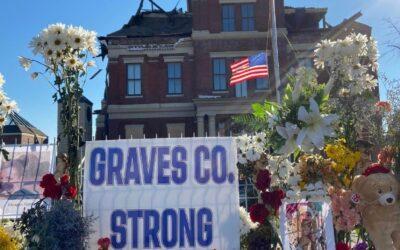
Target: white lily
(317,125)
(288,132)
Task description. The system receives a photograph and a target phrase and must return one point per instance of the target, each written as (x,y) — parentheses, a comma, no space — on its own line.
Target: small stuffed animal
(377,192)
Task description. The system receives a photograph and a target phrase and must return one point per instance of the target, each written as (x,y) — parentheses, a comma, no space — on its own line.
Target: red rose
(64,179)
(71,192)
(375,169)
(274,198)
(104,243)
(48,180)
(258,213)
(342,246)
(263,180)
(54,192)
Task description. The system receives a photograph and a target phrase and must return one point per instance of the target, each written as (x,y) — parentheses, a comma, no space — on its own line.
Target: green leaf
(258,110)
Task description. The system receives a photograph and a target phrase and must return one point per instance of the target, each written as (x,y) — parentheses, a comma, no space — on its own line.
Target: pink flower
(345,215)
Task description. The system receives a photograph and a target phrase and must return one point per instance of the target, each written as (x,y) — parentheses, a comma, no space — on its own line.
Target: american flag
(249,68)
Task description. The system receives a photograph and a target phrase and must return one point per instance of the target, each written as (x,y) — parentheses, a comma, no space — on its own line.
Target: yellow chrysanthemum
(6,242)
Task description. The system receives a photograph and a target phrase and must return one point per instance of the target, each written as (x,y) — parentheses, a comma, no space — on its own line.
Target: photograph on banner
(179,193)
(20,177)
(307,225)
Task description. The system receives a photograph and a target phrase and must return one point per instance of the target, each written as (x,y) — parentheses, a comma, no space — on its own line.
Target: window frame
(219,75)
(174,79)
(240,89)
(229,20)
(134,79)
(248,22)
(257,80)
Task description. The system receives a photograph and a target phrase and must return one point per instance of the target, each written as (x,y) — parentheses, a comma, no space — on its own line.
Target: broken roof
(156,23)
(16,124)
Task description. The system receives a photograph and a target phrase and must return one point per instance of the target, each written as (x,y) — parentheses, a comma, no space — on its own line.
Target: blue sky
(20,20)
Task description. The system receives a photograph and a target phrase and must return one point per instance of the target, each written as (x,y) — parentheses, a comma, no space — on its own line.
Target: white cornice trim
(114,51)
(307,10)
(154,110)
(206,35)
(228,54)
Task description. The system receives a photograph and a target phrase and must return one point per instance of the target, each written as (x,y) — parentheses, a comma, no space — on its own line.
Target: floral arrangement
(6,107)
(57,190)
(300,122)
(315,140)
(59,226)
(345,59)
(65,52)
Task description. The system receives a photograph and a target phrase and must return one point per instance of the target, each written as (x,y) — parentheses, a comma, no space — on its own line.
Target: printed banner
(163,193)
(20,177)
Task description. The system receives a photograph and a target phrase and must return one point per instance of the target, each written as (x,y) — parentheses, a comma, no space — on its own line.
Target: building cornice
(307,10)
(206,35)
(114,51)
(226,106)
(153,110)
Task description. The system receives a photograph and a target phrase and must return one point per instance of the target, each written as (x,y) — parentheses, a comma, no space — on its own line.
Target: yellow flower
(302,184)
(330,150)
(6,242)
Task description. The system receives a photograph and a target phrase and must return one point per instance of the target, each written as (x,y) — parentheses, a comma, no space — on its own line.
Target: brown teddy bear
(378,193)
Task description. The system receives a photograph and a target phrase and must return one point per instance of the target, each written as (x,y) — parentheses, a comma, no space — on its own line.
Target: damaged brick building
(168,71)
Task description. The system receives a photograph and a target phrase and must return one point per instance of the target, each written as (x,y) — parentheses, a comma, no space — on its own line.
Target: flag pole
(275,52)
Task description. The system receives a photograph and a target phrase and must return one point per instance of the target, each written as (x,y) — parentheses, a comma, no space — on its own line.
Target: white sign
(163,193)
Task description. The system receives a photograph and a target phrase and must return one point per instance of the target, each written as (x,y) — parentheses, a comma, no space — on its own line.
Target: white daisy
(253,155)
(57,42)
(76,37)
(25,63)
(48,53)
(8,106)
(36,44)
(56,29)
(72,63)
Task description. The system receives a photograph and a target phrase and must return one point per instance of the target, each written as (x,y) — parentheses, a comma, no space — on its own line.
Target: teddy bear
(377,192)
